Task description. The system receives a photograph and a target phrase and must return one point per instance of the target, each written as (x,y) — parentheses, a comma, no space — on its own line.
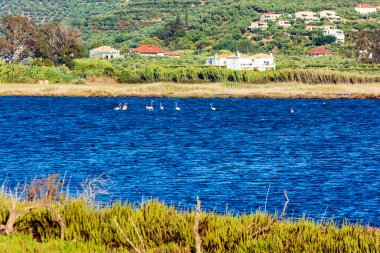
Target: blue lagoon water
(326,153)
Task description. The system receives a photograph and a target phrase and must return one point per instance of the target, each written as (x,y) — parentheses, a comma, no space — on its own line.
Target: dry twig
(276,219)
(128,240)
(196,227)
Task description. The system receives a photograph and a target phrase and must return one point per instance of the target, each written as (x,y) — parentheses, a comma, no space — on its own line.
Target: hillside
(201,24)
(42,11)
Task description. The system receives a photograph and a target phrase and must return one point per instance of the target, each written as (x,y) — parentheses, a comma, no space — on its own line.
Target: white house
(269,16)
(339,34)
(284,23)
(263,62)
(105,52)
(217,60)
(307,16)
(330,15)
(365,8)
(239,61)
(258,25)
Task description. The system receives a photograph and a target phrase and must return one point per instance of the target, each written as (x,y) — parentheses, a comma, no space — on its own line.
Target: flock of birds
(150,107)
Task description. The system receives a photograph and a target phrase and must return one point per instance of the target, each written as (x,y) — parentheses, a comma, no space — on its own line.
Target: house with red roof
(319,51)
(148,50)
(365,8)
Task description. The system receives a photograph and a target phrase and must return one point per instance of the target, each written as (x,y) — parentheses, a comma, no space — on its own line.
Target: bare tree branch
(276,219)
(126,237)
(196,227)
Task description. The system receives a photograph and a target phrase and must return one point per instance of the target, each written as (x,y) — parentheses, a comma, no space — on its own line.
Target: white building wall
(263,64)
(339,34)
(365,10)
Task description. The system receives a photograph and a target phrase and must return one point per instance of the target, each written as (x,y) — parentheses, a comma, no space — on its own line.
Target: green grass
(20,243)
(164,229)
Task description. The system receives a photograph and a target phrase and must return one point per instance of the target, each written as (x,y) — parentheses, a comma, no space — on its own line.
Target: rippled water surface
(326,153)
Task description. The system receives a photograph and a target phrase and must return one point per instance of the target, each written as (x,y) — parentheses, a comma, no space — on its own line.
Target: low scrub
(153,226)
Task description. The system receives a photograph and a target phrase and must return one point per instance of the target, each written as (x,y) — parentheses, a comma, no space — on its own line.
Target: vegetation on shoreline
(123,72)
(155,227)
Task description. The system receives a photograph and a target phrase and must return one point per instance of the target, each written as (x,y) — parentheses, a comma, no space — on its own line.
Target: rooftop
(319,51)
(365,6)
(147,49)
(103,49)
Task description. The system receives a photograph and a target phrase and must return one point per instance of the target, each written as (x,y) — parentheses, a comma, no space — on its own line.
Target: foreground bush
(157,227)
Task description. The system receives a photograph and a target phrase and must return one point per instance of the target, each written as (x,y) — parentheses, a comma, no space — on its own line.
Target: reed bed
(213,74)
(86,69)
(18,73)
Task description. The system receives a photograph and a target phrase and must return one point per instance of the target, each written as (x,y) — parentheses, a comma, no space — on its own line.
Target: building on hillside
(261,62)
(319,51)
(337,33)
(269,16)
(148,50)
(327,27)
(105,52)
(284,23)
(307,16)
(330,15)
(312,27)
(320,27)
(365,8)
(258,25)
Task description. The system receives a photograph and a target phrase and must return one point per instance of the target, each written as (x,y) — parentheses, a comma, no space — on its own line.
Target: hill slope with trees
(192,24)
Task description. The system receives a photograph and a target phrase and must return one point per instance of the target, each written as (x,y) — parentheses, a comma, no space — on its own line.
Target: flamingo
(117,107)
(150,108)
(212,108)
(161,106)
(125,106)
(176,107)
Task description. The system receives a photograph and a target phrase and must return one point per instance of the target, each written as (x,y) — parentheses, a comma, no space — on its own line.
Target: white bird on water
(176,107)
(150,107)
(125,106)
(212,108)
(117,107)
(161,106)
(291,110)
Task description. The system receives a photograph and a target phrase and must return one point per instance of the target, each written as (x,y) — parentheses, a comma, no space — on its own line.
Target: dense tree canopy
(54,42)
(367,44)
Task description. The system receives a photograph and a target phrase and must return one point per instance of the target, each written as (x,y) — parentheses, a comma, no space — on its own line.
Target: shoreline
(197,90)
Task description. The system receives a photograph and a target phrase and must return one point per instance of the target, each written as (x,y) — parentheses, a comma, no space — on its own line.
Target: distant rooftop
(366,6)
(103,49)
(319,51)
(148,49)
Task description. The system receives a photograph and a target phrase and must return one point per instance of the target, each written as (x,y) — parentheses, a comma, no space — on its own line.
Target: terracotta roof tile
(365,6)
(319,51)
(148,49)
